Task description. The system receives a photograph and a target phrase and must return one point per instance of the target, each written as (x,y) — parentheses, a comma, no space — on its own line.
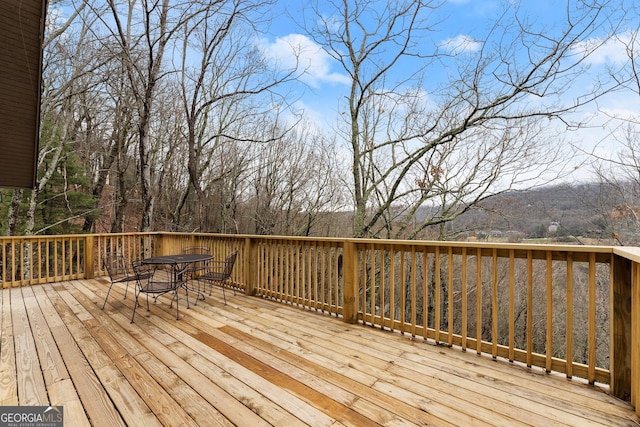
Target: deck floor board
(257,362)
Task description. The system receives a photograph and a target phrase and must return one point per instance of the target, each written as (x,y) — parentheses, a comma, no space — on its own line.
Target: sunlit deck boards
(257,362)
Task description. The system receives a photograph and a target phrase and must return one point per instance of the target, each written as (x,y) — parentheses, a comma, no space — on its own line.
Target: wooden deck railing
(568,309)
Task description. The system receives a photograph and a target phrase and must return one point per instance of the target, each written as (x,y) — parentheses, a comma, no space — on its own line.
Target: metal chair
(218,272)
(151,280)
(192,268)
(118,272)
(190,272)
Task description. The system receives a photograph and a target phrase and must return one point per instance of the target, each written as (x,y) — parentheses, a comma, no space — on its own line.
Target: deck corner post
(249,266)
(623,332)
(350,282)
(89,255)
(160,245)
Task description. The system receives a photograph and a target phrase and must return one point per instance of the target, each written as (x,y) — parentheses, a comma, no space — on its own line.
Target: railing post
(350,282)
(635,336)
(249,266)
(621,329)
(160,245)
(89,267)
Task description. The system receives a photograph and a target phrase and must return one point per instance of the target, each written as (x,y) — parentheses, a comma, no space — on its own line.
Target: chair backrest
(141,271)
(189,250)
(196,250)
(115,265)
(138,268)
(153,279)
(229,261)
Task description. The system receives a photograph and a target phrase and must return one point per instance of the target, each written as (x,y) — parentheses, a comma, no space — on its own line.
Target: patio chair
(151,280)
(189,273)
(118,272)
(191,269)
(218,272)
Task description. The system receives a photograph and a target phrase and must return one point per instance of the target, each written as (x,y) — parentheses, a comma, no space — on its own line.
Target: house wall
(21,36)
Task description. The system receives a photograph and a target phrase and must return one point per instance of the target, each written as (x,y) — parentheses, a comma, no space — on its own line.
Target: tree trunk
(14,212)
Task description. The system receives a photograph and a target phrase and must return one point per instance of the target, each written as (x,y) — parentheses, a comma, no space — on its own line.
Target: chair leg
(135,305)
(201,289)
(197,291)
(224,295)
(178,305)
(106,297)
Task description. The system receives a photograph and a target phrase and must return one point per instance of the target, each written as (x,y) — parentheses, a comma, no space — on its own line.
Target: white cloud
(298,51)
(460,44)
(621,113)
(613,51)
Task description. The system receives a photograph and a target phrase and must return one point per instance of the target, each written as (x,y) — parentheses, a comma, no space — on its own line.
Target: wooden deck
(257,362)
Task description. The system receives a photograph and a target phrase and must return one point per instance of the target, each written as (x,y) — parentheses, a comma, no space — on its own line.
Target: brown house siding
(21,35)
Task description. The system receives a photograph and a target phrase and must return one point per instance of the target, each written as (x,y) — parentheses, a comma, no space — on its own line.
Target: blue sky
(461,22)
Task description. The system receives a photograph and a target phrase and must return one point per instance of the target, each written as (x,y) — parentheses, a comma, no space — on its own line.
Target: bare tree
(145,33)
(320,175)
(224,80)
(619,178)
(618,171)
(108,149)
(293,183)
(422,154)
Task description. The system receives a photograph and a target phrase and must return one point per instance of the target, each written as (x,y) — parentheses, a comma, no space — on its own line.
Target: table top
(177,259)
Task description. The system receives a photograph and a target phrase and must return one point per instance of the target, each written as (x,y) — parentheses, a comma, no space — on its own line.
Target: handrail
(568,309)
